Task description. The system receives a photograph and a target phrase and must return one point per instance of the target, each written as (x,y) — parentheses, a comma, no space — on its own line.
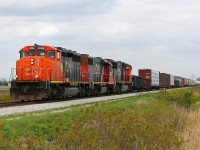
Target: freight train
(46,72)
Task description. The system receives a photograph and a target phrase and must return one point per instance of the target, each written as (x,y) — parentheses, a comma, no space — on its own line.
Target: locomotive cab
(37,52)
(37,63)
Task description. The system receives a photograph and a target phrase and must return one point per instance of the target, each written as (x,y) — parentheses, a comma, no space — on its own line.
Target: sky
(163,35)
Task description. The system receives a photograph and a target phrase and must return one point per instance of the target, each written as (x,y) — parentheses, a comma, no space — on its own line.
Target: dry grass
(142,102)
(153,125)
(191,132)
(197,93)
(189,99)
(4,94)
(4,97)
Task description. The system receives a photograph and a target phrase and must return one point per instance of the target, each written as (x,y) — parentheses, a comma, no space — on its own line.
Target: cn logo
(31,71)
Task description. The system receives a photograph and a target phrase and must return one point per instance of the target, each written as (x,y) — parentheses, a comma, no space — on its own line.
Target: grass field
(151,121)
(4,94)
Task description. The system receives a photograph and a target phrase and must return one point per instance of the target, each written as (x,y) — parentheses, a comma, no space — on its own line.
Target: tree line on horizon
(3,82)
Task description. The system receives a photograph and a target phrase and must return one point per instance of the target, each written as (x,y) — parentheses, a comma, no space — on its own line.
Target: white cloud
(35,2)
(163,35)
(48,31)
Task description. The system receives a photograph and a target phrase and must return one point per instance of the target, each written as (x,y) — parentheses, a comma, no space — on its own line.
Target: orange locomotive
(50,72)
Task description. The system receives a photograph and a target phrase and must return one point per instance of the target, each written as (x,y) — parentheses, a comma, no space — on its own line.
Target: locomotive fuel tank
(103,90)
(69,91)
(124,88)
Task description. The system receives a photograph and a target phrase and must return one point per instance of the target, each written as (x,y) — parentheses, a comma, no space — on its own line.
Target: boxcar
(176,82)
(182,82)
(151,76)
(138,83)
(172,83)
(164,80)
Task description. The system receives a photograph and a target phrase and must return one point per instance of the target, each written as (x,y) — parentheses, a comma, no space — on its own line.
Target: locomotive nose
(29,68)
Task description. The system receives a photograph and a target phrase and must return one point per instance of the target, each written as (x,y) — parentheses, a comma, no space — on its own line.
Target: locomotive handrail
(12,75)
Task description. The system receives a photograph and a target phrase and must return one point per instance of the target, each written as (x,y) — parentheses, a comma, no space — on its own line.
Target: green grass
(150,121)
(4,94)
(187,98)
(143,122)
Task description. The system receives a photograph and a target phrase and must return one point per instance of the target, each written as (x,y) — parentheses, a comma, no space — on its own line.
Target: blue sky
(162,35)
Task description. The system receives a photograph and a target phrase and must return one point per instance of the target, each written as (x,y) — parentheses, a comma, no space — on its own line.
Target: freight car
(151,78)
(172,81)
(182,83)
(164,80)
(138,83)
(177,81)
(50,72)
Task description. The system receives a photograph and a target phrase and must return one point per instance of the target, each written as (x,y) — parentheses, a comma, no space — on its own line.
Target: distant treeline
(4,83)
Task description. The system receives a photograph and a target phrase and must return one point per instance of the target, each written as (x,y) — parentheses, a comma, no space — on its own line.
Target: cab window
(51,54)
(41,53)
(23,54)
(31,53)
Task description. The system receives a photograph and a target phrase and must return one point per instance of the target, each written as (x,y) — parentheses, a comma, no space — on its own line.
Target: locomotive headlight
(36,76)
(16,76)
(32,61)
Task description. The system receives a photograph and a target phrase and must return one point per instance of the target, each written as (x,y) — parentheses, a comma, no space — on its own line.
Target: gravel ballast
(47,106)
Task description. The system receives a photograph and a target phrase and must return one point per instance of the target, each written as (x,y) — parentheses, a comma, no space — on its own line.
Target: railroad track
(13,104)
(23,103)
